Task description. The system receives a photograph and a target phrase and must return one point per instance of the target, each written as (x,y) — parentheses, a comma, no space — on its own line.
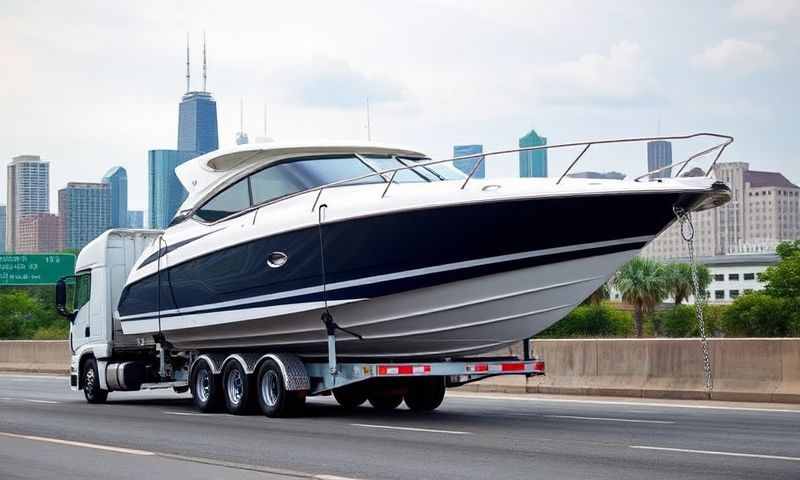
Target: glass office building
(197,124)
(532,163)
(135,219)
(85,211)
(117,180)
(467,165)
(165,192)
(659,154)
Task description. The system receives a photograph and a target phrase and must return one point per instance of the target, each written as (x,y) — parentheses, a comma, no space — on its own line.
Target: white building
(28,193)
(764,210)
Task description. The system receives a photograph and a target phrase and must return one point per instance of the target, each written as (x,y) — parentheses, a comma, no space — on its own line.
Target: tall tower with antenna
(197,115)
(205,68)
(188,72)
(264,138)
(241,137)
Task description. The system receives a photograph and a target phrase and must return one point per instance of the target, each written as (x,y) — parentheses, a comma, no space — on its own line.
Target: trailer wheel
(237,386)
(91,383)
(273,398)
(425,394)
(384,401)
(206,391)
(350,396)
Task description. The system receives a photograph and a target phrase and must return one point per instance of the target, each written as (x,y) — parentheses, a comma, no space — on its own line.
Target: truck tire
(206,391)
(384,401)
(425,394)
(350,396)
(237,387)
(91,382)
(273,398)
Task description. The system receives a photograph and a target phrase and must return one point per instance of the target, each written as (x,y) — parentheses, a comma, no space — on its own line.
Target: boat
(411,257)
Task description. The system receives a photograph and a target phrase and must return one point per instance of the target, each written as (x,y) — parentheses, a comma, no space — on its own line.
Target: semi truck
(104,359)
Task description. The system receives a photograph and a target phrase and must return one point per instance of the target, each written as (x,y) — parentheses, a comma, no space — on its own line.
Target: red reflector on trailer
(538,367)
(513,367)
(404,369)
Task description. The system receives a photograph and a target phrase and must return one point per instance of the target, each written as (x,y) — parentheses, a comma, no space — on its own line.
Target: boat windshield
(386,162)
(439,171)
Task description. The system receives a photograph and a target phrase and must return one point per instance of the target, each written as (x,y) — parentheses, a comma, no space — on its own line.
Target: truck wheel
(91,383)
(237,388)
(273,398)
(350,396)
(206,393)
(425,394)
(385,401)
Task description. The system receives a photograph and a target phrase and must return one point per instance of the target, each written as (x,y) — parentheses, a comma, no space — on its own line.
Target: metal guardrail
(719,148)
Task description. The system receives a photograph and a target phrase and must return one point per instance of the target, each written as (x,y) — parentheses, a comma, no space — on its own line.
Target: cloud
(735,56)
(332,83)
(621,77)
(771,11)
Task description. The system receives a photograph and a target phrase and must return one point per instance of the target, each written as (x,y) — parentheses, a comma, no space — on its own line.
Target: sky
(89,86)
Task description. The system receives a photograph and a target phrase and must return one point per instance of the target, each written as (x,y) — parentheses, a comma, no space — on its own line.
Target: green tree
(783,279)
(678,280)
(641,283)
(759,314)
(593,320)
(598,296)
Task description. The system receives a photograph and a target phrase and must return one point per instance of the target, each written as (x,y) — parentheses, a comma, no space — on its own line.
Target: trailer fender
(294,373)
(215,361)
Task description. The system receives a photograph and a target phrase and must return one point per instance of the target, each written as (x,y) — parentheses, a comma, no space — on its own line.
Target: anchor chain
(687,232)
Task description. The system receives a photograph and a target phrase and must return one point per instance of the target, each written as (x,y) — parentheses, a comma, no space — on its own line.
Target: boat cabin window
(440,171)
(274,182)
(316,171)
(385,162)
(229,201)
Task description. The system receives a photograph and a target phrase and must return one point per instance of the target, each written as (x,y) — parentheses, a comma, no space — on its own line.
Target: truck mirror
(61,297)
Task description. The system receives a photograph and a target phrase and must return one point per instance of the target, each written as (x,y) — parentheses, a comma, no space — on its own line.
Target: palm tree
(597,297)
(641,284)
(678,279)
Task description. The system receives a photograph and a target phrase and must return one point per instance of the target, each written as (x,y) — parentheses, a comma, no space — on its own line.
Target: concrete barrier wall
(38,356)
(746,369)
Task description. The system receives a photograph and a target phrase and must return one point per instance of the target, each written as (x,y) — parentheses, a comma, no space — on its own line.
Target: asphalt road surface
(49,432)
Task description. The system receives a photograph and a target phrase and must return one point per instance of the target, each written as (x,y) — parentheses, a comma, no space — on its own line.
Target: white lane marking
(411,429)
(31,378)
(185,413)
(712,452)
(94,446)
(30,400)
(332,477)
(468,396)
(607,419)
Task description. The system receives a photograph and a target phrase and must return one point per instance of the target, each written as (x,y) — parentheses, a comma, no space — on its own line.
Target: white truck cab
(89,298)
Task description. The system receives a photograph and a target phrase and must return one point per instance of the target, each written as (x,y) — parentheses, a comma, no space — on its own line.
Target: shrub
(52,332)
(592,321)
(681,321)
(761,315)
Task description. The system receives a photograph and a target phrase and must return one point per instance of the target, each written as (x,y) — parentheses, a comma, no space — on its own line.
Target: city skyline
(612,80)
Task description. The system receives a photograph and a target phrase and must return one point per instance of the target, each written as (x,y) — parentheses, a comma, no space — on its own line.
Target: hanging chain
(687,232)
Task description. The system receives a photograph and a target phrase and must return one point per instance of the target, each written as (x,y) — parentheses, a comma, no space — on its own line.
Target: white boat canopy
(203,173)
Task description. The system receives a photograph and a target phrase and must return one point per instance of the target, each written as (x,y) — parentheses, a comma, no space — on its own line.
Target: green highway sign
(35,268)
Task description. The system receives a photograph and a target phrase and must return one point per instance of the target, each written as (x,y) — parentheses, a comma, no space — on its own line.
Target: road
(49,432)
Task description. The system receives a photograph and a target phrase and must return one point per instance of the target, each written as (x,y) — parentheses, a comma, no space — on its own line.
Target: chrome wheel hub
(235,386)
(203,385)
(270,388)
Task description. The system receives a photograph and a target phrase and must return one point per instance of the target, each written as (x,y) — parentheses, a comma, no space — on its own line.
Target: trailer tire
(274,399)
(91,382)
(206,391)
(350,396)
(425,394)
(237,388)
(384,401)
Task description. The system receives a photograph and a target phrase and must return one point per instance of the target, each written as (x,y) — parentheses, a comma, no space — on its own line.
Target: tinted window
(83,291)
(388,163)
(734,293)
(313,172)
(749,276)
(274,182)
(718,277)
(719,294)
(733,276)
(229,201)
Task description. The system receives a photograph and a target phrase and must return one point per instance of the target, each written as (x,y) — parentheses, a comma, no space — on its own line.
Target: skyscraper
(40,233)
(2,228)
(165,192)
(197,134)
(532,163)
(117,180)
(85,211)
(659,154)
(468,164)
(28,185)
(135,219)
(197,116)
